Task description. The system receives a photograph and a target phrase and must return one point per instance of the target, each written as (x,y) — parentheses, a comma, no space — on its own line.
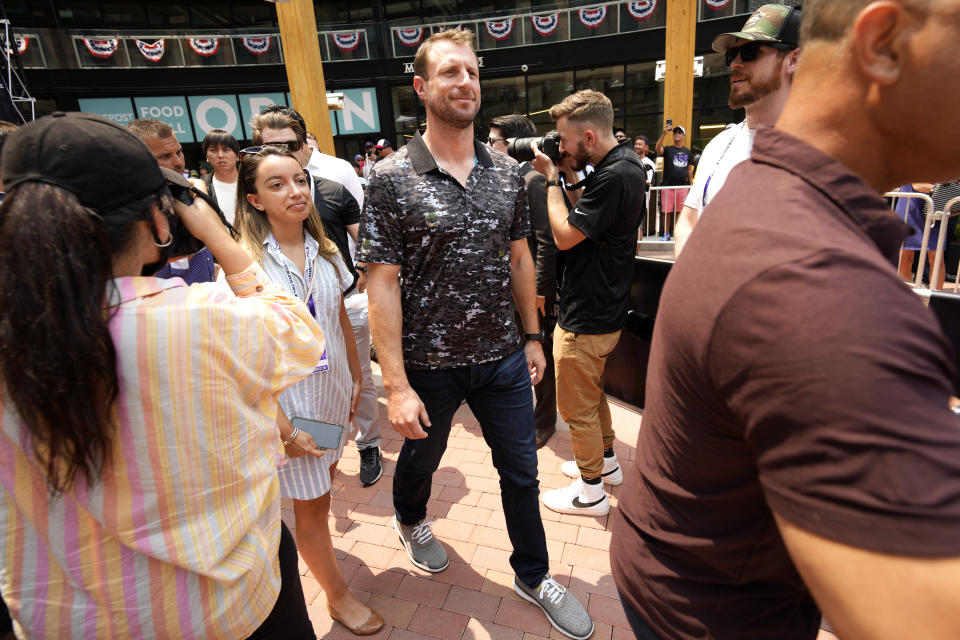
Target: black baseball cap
(101,163)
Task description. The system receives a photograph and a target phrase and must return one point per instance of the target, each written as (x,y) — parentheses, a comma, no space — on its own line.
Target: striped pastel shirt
(179,537)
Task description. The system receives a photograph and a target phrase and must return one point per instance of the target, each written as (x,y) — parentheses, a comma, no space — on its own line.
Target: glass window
(713,9)
(544,91)
(643,105)
(81,14)
(210,14)
(407,109)
(608,81)
(123,14)
(500,96)
(166,15)
(172,55)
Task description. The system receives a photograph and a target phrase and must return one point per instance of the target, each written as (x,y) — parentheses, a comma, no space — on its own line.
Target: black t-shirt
(338,208)
(598,271)
(675,163)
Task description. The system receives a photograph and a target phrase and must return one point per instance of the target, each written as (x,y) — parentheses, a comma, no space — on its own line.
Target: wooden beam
(680,51)
(301,56)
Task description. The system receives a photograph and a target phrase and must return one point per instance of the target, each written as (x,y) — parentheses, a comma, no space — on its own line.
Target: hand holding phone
(326,435)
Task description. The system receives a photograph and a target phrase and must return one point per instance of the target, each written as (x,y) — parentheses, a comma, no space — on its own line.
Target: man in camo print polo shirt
(449,216)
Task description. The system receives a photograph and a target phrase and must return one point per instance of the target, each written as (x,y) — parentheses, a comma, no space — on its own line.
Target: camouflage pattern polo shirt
(453,246)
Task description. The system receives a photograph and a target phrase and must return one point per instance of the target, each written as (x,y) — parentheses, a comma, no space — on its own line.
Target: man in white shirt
(223,152)
(762,59)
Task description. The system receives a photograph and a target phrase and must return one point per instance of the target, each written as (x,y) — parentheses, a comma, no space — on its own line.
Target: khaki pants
(579,359)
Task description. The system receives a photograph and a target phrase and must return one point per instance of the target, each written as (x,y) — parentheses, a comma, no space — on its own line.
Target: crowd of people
(799,456)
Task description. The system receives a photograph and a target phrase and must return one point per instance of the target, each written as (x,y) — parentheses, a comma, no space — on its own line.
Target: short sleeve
(599,206)
(695,193)
(520,226)
(841,379)
(380,237)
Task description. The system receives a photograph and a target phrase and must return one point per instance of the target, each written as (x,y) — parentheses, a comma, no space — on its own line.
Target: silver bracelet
(293,435)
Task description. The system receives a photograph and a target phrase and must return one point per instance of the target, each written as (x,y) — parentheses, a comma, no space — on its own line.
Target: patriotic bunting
(257,45)
(346,41)
(204,46)
(410,37)
(716,5)
(545,25)
(643,9)
(591,18)
(500,29)
(21,42)
(101,48)
(152,51)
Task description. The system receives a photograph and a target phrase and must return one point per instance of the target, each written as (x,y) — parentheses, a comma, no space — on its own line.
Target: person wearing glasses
(762,59)
(281,229)
(341,220)
(138,416)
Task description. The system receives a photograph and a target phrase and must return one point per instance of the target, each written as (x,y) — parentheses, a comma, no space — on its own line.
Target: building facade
(204,65)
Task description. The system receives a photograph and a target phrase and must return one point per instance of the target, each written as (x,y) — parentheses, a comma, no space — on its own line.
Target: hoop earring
(164,244)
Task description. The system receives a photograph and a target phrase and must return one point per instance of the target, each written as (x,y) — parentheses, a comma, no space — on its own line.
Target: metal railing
(931,217)
(655,212)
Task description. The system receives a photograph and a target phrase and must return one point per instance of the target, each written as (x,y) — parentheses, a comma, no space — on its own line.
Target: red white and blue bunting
(545,25)
(410,37)
(257,45)
(643,9)
(591,18)
(21,42)
(346,41)
(500,29)
(204,46)
(101,48)
(152,51)
(716,5)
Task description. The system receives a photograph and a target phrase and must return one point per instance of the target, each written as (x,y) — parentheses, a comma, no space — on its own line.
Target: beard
(752,90)
(580,158)
(442,108)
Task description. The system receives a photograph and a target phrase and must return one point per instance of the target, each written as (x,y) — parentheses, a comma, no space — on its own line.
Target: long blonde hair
(254,226)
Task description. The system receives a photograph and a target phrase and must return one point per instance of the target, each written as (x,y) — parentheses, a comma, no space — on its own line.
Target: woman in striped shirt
(281,228)
(138,417)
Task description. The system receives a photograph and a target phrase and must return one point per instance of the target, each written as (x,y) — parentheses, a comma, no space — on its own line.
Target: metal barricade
(929,218)
(655,211)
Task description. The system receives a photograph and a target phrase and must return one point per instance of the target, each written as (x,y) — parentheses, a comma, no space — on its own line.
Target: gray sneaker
(563,610)
(423,549)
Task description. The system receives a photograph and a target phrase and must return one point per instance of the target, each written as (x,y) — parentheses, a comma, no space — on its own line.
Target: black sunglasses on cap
(289,145)
(751,51)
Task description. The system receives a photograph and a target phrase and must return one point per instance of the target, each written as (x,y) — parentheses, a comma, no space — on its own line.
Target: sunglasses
(289,145)
(751,51)
(491,140)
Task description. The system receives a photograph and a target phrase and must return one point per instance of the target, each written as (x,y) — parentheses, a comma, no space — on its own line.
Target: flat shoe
(370,626)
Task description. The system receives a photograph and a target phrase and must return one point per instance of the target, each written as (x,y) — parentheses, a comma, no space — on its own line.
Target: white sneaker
(611,470)
(579,499)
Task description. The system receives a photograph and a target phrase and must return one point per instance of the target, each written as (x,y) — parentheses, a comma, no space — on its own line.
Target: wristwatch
(552,183)
(537,337)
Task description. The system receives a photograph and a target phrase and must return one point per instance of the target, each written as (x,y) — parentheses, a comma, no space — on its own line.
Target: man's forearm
(386,326)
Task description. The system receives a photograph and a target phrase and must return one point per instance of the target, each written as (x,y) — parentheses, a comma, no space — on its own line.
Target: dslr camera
(519,148)
(184,243)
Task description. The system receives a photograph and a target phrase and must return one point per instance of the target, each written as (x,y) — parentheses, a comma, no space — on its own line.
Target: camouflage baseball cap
(769,23)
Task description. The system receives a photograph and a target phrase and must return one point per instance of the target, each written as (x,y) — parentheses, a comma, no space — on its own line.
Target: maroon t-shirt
(791,372)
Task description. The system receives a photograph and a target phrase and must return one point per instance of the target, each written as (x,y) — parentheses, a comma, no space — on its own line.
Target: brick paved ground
(473,598)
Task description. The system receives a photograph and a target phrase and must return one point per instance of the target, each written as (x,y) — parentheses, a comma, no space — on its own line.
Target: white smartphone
(326,434)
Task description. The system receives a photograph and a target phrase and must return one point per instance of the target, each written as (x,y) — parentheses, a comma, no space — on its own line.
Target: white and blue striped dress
(323,395)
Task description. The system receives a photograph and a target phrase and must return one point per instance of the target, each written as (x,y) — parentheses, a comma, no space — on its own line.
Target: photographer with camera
(599,240)
(138,441)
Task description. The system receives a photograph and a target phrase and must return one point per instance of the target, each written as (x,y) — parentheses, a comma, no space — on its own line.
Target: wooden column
(301,56)
(678,83)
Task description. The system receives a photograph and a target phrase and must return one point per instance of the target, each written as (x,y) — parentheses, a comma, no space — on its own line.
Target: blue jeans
(499,395)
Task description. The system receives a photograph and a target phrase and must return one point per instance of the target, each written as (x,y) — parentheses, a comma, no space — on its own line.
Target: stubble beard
(741,97)
(443,111)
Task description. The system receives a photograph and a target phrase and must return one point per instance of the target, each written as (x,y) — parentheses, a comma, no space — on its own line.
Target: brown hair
(585,106)
(254,226)
(276,120)
(149,128)
(453,36)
